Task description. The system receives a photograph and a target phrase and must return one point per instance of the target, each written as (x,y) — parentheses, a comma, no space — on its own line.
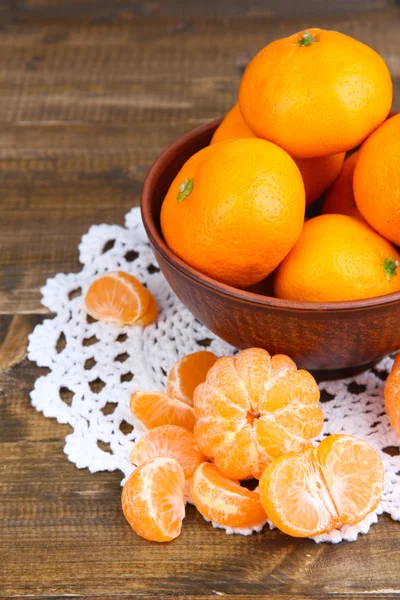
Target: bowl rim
(224,289)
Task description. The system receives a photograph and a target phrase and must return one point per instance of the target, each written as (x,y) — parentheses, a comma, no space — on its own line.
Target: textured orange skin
(377,180)
(319,99)
(317,490)
(336,258)
(339,199)
(244,214)
(232,127)
(317,173)
(392,395)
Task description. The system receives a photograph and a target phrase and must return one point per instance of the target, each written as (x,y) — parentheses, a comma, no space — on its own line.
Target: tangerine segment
(392,395)
(169,441)
(151,313)
(224,501)
(153,409)
(187,373)
(117,297)
(253,408)
(354,474)
(152,500)
(319,489)
(240,457)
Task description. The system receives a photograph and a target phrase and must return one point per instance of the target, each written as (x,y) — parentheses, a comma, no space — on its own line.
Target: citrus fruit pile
(311,123)
(223,421)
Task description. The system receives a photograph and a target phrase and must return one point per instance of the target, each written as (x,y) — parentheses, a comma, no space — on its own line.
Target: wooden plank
(63,533)
(13,348)
(147,70)
(127,10)
(214,595)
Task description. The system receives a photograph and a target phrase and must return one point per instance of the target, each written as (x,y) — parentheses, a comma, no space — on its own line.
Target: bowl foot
(331,375)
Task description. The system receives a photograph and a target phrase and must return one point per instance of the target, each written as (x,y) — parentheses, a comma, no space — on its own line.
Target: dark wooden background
(91,91)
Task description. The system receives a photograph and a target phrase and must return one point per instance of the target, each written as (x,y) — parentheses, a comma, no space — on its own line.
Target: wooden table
(91,91)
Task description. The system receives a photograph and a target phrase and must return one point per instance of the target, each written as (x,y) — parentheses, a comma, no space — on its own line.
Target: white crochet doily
(95,367)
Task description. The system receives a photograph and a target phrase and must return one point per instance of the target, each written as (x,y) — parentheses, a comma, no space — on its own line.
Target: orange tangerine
(317,173)
(392,395)
(253,408)
(153,409)
(234,210)
(119,298)
(223,501)
(339,198)
(319,489)
(152,499)
(232,127)
(187,373)
(169,441)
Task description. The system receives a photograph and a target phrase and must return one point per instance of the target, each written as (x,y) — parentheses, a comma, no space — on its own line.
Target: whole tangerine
(377,180)
(315,93)
(235,210)
(338,257)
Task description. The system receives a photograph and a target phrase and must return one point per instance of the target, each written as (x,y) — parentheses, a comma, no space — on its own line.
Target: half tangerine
(312,492)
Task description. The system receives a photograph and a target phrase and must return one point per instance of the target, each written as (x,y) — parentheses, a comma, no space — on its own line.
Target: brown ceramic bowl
(332,339)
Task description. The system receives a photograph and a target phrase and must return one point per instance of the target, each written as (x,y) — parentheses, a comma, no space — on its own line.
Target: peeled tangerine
(319,489)
(153,499)
(254,408)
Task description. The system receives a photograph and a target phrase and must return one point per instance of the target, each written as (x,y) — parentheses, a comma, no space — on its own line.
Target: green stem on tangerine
(307,39)
(390,267)
(184,190)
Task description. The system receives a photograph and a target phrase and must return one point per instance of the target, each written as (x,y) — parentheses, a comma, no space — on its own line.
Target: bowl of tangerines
(279,227)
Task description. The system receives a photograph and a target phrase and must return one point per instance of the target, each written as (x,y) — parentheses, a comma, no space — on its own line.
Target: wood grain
(83,545)
(91,92)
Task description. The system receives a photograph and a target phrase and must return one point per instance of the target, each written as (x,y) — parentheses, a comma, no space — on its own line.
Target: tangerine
(319,489)
(235,210)
(253,408)
(315,93)
(377,180)
(338,258)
